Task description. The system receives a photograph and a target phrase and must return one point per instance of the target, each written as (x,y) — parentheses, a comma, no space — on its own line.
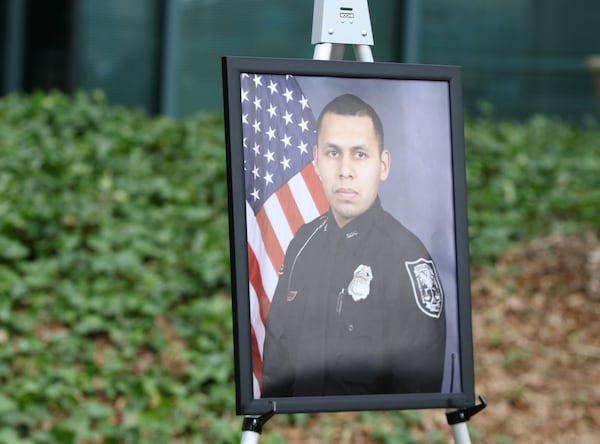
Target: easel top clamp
(337,23)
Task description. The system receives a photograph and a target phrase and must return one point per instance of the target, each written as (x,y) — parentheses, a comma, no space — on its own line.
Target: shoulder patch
(426,286)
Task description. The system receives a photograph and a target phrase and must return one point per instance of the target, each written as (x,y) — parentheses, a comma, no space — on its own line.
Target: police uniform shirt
(357,310)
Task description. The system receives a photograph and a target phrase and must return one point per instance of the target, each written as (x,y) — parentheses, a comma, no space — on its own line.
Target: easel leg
(460,433)
(323,51)
(363,53)
(328,51)
(249,437)
(253,425)
(457,419)
(337,52)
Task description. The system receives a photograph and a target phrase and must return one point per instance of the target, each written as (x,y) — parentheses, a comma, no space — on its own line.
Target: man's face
(350,163)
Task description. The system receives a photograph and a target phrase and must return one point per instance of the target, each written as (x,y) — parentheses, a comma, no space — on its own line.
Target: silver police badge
(426,286)
(360,285)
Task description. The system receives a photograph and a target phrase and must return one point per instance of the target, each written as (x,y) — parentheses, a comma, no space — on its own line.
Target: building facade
(521,56)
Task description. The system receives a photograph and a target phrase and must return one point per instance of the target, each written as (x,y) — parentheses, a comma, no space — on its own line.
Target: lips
(346,193)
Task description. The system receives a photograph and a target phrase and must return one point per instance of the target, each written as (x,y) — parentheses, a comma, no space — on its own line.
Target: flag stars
(303,125)
(286,163)
(304,102)
(287,117)
(268,178)
(269,156)
(286,141)
(289,95)
(303,147)
(272,87)
(275,119)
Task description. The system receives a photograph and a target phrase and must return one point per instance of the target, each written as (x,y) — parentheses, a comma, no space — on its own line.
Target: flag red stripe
(270,240)
(256,280)
(290,207)
(316,189)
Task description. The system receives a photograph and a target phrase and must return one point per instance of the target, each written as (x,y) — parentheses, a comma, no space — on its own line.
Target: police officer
(358,307)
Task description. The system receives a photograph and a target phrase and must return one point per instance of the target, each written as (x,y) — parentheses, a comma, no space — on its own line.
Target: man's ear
(386,161)
(315,162)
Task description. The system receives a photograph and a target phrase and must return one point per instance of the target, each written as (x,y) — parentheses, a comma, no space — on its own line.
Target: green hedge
(113,245)
(529,178)
(115,320)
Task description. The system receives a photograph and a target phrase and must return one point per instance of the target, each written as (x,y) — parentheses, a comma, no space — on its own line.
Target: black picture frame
(429,99)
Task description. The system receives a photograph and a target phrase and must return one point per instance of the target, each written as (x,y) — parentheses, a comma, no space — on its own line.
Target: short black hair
(351,105)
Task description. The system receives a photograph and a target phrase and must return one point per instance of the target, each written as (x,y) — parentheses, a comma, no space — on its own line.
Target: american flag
(282,189)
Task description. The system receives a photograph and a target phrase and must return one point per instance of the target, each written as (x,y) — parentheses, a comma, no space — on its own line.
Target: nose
(345,167)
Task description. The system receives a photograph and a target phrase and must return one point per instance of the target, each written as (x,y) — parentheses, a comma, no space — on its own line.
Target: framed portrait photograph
(348,235)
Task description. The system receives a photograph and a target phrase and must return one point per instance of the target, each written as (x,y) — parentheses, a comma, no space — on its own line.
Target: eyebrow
(352,148)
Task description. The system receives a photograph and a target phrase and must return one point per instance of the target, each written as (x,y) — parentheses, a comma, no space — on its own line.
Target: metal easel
(337,23)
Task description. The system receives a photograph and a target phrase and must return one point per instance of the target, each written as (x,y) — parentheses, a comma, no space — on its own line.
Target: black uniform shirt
(357,310)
